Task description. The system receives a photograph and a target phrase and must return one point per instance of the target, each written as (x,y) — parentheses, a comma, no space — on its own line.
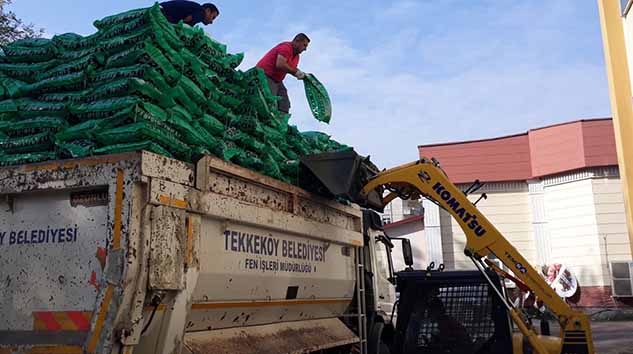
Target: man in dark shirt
(189,12)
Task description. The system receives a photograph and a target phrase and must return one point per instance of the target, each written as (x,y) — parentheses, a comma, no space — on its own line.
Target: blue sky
(404,73)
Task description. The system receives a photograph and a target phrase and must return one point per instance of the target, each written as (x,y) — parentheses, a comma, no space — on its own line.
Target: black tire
(375,345)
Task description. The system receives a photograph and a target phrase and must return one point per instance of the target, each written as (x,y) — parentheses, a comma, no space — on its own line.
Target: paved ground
(613,337)
(609,337)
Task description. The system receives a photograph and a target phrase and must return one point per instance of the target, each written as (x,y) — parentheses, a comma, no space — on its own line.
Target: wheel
(375,345)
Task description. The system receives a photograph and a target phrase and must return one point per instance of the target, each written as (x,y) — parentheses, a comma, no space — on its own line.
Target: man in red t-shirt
(281,60)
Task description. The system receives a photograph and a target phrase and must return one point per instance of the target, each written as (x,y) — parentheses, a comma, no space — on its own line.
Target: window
(386,219)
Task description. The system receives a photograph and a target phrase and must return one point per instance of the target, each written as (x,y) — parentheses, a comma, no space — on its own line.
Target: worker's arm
(425,178)
(282,64)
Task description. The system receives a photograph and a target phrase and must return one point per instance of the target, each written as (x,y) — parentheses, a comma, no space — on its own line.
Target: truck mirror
(407,252)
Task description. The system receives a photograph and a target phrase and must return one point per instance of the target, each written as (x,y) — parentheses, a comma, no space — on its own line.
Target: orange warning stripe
(250,304)
(105,305)
(167,200)
(59,349)
(62,321)
(118,210)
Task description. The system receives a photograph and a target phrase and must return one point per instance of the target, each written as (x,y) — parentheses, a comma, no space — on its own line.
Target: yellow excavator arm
(425,178)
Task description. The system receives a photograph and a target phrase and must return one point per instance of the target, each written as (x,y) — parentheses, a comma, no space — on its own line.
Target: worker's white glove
(300,75)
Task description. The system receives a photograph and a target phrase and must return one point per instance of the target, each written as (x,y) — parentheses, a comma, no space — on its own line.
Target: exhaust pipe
(344,174)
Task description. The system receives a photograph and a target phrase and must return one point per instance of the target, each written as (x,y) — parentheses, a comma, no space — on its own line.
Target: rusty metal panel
(234,210)
(81,279)
(76,173)
(283,338)
(157,166)
(223,178)
(167,249)
(169,194)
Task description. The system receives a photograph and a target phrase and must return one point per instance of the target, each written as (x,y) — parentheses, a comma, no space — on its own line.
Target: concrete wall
(415,233)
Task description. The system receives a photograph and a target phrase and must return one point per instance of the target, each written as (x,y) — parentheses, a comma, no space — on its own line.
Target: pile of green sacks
(142,83)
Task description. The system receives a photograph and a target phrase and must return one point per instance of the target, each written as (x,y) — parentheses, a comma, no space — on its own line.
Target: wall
(611,222)
(413,231)
(507,208)
(573,228)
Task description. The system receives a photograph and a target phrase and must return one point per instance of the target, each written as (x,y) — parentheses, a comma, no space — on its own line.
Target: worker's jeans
(278,89)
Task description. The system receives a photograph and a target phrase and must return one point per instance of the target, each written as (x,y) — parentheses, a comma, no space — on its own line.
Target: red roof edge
(408,220)
(471,141)
(513,135)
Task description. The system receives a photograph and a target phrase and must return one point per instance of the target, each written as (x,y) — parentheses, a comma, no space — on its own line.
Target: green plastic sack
(13,88)
(193,63)
(142,131)
(73,41)
(128,87)
(72,66)
(19,159)
(181,97)
(8,109)
(121,73)
(66,97)
(217,110)
(317,140)
(70,82)
(33,126)
(119,43)
(271,167)
(104,108)
(248,124)
(192,133)
(124,28)
(275,153)
(30,43)
(145,53)
(232,60)
(27,71)
(146,145)
(272,135)
(318,98)
(212,125)
(226,150)
(88,129)
(193,91)
(25,144)
(76,148)
(141,71)
(17,53)
(121,18)
(170,53)
(249,160)
(29,108)
(243,140)
(66,55)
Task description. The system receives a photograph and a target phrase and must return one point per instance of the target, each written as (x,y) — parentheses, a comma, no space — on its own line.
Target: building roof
(408,220)
(536,153)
